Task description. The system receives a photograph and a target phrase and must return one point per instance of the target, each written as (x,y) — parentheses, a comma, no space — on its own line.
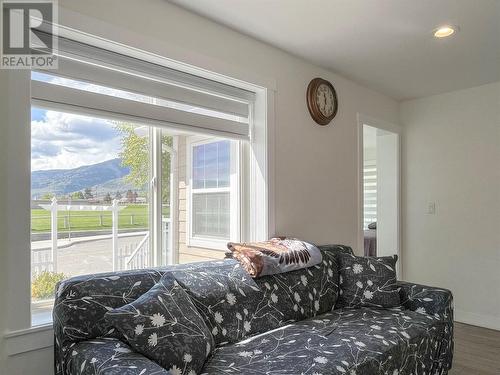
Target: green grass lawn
(132,216)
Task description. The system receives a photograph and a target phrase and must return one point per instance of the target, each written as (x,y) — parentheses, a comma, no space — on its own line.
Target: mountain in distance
(108,176)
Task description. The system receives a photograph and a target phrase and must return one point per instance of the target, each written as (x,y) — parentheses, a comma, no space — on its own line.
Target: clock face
(321,101)
(325,100)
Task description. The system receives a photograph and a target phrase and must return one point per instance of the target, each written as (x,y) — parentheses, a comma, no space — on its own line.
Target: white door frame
(393,128)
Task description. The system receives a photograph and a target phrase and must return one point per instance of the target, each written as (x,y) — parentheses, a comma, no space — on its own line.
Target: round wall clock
(321,101)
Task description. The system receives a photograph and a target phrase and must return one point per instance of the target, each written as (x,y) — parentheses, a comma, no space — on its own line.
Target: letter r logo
(22,27)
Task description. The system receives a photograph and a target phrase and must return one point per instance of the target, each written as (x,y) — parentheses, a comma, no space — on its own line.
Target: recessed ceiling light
(445,31)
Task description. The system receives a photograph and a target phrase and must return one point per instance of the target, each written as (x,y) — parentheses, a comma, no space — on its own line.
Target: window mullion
(156,198)
(211,190)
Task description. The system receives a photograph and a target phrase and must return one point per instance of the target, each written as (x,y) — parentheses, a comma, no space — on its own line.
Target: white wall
(451,156)
(311,161)
(300,143)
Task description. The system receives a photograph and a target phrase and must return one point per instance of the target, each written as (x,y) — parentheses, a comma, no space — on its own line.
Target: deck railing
(125,255)
(140,257)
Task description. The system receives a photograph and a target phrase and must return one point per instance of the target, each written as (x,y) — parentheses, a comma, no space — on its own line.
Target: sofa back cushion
(81,303)
(307,292)
(234,305)
(164,326)
(229,300)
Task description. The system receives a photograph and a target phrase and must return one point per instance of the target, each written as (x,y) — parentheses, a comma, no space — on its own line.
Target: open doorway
(380,189)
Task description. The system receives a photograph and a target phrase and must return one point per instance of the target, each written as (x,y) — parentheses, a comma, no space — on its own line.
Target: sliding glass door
(91,201)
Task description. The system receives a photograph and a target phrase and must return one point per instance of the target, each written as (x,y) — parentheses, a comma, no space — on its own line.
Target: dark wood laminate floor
(477,351)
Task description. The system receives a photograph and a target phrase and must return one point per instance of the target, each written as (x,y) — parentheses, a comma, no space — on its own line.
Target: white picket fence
(126,255)
(54,207)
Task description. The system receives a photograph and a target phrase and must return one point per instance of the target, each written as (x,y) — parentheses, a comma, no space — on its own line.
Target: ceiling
(385,44)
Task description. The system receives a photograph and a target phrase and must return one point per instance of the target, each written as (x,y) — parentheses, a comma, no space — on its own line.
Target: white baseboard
(480,320)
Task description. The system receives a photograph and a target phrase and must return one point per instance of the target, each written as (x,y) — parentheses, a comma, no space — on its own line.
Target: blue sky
(37,114)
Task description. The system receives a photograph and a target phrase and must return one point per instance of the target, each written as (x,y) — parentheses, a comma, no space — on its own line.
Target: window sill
(29,339)
(207,244)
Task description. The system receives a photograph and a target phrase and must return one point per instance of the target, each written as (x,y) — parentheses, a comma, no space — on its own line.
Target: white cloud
(65,141)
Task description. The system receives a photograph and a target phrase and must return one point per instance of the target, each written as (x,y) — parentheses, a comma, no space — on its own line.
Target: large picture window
(125,177)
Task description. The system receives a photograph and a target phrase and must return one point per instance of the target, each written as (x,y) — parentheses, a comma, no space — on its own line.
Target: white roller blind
(178,99)
(370,192)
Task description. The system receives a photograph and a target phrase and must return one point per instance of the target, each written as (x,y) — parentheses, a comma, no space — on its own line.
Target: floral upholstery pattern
(230,302)
(328,341)
(81,303)
(307,292)
(368,281)
(235,306)
(345,341)
(164,325)
(109,357)
(436,302)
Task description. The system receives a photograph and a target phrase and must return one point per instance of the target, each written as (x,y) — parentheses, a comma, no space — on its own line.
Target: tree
(47,196)
(87,193)
(107,198)
(77,195)
(130,196)
(135,155)
(118,195)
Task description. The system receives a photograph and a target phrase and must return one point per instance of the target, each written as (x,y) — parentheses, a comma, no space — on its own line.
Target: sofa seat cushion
(109,357)
(346,341)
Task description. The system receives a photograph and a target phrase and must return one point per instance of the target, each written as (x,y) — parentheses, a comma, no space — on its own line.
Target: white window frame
(234,190)
(19,336)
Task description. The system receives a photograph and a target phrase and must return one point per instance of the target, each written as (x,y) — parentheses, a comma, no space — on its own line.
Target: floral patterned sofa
(279,324)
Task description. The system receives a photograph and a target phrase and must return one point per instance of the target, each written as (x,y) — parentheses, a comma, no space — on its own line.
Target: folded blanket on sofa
(275,256)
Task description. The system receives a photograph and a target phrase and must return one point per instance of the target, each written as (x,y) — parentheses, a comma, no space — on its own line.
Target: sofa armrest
(109,357)
(438,304)
(427,299)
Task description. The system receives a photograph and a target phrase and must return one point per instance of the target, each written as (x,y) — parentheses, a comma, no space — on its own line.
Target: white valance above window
(145,92)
